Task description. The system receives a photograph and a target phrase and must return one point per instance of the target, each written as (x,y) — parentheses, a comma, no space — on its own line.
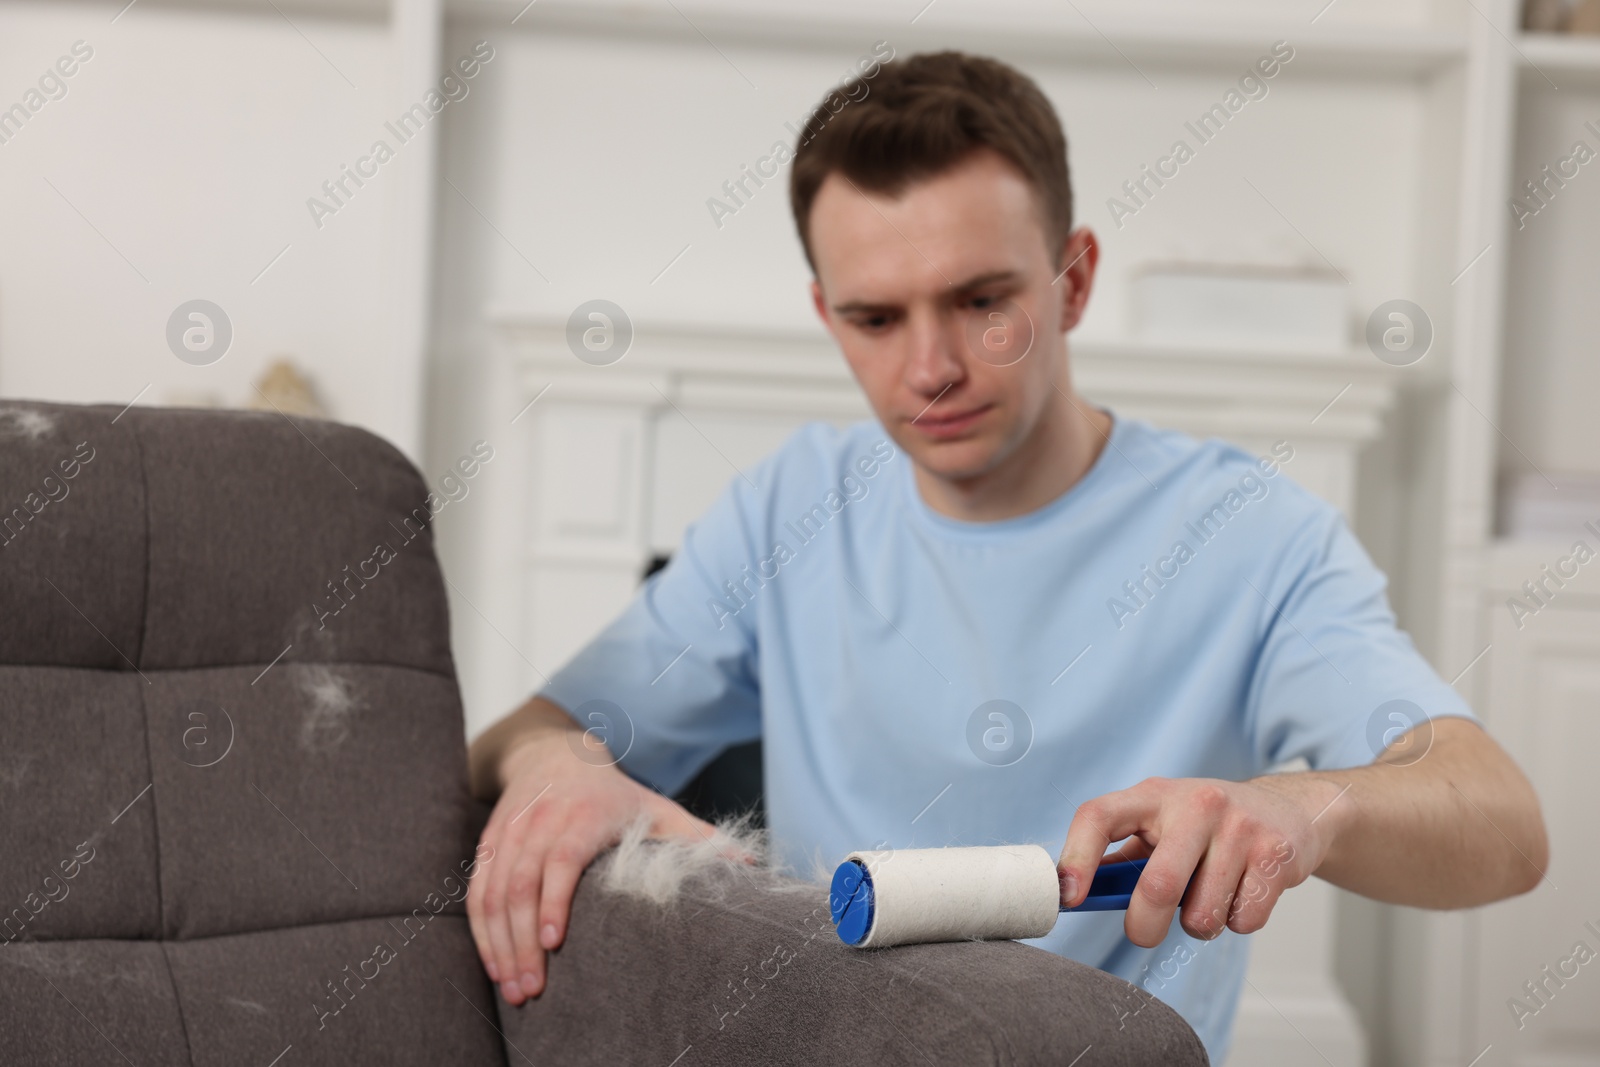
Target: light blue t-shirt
(1184,610)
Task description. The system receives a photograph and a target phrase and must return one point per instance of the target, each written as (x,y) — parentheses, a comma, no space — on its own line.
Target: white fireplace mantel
(1267,390)
(1327,406)
(617,458)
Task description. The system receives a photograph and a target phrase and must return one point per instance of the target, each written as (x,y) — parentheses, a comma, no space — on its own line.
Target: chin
(956,460)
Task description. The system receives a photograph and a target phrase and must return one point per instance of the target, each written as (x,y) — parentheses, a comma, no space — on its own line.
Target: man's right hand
(555,813)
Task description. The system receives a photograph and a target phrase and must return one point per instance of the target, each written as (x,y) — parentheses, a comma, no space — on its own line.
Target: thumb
(674,821)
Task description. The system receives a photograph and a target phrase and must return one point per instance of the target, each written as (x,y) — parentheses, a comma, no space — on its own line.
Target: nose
(935,362)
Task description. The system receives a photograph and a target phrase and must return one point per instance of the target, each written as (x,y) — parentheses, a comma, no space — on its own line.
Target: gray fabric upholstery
(735,973)
(236,840)
(234,823)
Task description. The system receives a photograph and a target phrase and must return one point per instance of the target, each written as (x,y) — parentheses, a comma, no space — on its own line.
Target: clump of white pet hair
(331,702)
(660,870)
(25,422)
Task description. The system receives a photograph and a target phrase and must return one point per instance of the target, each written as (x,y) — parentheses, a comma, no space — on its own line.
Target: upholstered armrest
(738,967)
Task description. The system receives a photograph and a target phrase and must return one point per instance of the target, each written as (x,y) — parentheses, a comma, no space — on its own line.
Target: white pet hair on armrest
(658,870)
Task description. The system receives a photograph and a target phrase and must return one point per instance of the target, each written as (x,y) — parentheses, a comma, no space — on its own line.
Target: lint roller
(913,896)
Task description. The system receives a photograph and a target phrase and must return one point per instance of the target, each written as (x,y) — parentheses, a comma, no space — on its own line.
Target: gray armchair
(235,825)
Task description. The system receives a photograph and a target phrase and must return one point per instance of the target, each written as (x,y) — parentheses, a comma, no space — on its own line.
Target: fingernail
(1069,888)
(530,985)
(510,991)
(492,971)
(548,935)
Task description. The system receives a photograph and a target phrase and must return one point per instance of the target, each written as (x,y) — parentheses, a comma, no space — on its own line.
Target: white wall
(184,153)
(1333,155)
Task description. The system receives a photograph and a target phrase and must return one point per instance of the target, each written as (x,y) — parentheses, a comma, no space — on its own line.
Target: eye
(984,303)
(873,323)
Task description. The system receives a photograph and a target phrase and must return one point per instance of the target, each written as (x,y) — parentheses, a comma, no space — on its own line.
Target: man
(997,613)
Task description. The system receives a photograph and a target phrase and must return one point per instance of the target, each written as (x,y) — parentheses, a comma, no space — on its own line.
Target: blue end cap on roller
(850,902)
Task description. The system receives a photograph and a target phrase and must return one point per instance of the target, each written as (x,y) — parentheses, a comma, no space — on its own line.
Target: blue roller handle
(1111,889)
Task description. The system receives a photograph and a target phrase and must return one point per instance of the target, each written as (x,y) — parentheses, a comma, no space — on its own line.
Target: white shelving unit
(1538,684)
(1454,976)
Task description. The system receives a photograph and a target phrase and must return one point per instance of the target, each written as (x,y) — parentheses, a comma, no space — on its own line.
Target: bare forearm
(533,722)
(1456,828)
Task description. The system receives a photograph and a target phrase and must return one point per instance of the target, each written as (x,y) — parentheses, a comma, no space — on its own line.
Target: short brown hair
(923,115)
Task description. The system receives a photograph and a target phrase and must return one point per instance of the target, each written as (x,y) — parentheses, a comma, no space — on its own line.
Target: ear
(1079,257)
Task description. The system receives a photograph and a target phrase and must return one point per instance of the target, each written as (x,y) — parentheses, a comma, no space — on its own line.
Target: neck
(1056,454)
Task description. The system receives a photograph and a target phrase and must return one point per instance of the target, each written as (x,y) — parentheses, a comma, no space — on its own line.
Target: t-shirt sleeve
(1336,681)
(672,680)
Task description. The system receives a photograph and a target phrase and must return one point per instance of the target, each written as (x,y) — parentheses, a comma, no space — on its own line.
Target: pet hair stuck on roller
(919,895)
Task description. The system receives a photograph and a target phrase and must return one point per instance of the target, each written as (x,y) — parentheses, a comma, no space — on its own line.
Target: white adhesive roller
(910,896)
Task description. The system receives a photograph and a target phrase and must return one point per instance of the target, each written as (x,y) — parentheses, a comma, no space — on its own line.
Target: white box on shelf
(1254,306)
(1548,506)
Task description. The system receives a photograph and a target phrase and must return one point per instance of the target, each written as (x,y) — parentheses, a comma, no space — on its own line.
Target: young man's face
(946,304)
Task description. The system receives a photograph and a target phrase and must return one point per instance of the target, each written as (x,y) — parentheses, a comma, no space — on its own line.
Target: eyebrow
(970,284)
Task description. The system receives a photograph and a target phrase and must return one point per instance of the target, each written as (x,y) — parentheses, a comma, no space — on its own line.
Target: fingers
(484,906)
(476,920)
(563,863)
(555,902)
(1097,823)
(524,901)
(1213,892)
(563,867)
(519,907)
(486,910)
(582,840)
(672,820)
(1219,851)
(1263,883)
(509,898)
(496,887)
(524,886)
(1162,885)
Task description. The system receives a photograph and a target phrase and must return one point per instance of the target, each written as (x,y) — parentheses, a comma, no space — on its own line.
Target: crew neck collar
(985,529)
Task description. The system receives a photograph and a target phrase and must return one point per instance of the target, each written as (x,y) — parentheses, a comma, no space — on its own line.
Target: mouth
(946,425)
